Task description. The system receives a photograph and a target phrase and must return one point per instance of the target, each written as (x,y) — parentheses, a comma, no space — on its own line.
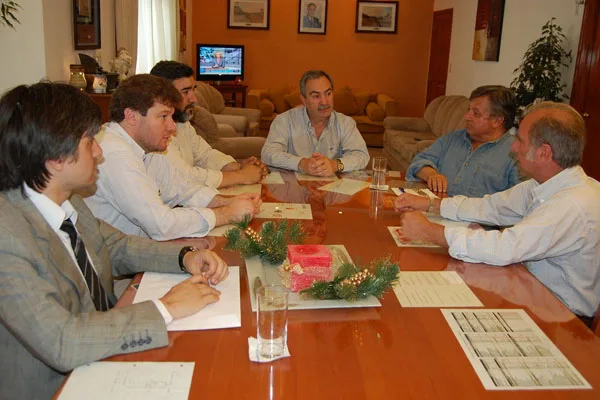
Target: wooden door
(585,96)
(439,54)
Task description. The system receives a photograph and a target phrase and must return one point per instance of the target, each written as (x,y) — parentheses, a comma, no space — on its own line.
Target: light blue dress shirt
(473,173)
(292,138)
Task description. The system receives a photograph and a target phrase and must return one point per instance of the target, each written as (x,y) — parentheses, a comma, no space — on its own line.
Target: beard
(184,115)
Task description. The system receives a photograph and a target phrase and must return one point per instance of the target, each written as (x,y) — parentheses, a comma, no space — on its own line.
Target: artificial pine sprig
(270,243)
(354,282)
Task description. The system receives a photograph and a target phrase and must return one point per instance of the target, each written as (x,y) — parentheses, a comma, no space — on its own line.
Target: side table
(234,94)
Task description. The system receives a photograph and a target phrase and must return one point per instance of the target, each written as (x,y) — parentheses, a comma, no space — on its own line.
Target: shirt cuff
(214,178)
(167,317)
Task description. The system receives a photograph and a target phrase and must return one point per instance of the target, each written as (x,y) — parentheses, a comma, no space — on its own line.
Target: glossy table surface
(372,353)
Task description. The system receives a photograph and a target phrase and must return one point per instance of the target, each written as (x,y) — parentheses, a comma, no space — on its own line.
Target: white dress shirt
(55,215)
(137,203)
(556,233)
(292,137)
(193,155)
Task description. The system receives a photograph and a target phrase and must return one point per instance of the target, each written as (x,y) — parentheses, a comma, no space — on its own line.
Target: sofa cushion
(266,107)
(446,114)
(212,96)
(362,98)
(343,101)
(375,112)
(277,97)
(205,125)
(367,125)
(407,144)
(293,99)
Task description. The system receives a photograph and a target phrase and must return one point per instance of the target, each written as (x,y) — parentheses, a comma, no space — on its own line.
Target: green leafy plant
(270,243)
(354,282)
(539,75)
(7,13)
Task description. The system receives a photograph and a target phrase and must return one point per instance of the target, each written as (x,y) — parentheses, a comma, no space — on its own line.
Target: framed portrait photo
(312,16)
(248,14)
(377,16)
(86,24)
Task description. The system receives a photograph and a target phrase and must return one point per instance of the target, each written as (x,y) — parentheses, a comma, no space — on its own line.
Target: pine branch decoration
(270,243)
(7,13)
(354,282)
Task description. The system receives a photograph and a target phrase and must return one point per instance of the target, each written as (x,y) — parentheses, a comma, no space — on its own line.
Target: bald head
(561,127)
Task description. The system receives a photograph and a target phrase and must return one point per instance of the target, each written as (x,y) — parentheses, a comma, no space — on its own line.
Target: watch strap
(182,254)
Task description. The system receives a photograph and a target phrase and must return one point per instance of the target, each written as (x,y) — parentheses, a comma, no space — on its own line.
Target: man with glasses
(474,161)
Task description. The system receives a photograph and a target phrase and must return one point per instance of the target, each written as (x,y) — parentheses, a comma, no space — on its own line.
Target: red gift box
(309,255)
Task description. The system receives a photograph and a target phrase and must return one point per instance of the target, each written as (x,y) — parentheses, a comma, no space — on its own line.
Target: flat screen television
(220,62)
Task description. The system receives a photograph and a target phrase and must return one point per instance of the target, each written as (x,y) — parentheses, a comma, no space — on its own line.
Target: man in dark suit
(57,261)
(309,20)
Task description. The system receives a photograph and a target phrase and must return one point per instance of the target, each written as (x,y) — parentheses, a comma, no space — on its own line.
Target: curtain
(157,33)
(126,28)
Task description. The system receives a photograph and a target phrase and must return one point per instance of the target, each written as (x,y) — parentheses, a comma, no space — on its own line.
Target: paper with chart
(434,289)
(129,381)
(240,189)
(510,352)
(273,178)
(305,177)
(345,186)
(225,313)
(285,210)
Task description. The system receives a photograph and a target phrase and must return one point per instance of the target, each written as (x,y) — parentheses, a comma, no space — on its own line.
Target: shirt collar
(509,133)
(564,179)
(54,214)
(307,119)
(118,130)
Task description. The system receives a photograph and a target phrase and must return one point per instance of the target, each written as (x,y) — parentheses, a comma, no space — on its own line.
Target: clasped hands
(415,226)
(318,165)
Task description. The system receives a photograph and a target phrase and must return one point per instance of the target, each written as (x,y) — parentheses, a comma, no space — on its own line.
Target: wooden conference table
(387,352)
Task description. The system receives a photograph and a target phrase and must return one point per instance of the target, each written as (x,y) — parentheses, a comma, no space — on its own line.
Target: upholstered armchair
(243,120)
(405,137)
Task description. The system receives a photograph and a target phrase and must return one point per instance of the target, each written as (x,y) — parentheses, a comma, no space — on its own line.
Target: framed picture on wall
(376,16)
(248,14)
(86,24)
(312,16)
(488,30)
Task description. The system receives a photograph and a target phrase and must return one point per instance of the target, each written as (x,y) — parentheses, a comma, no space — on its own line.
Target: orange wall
(395,64)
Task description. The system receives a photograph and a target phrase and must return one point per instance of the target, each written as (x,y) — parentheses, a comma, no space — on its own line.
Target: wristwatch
(182,254)
(340,166)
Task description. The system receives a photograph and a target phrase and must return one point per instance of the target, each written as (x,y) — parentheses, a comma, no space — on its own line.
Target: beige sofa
(243,120)
(405,137)
(366,108)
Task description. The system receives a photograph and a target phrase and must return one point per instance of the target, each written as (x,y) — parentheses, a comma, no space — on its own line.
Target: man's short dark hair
(139,93)
(309,76)
(172,70)
(40,123)
(502,102)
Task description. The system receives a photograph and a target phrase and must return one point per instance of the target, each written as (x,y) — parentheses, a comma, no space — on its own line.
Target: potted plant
(7,13)
(539,75)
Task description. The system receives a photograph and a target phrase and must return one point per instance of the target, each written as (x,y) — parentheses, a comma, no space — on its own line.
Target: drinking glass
(379,171)
(271,320)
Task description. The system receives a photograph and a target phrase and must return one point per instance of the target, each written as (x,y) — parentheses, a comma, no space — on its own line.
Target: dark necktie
(91,278)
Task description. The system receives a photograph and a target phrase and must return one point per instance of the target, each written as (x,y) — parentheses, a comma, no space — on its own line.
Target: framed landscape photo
(86,24)
(248,14)
(376,16)
(312,16)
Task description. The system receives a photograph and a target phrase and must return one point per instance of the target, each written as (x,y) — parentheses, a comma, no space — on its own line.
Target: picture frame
(376,16)
(488,30)
(248,14)
(86,24)
(312,16)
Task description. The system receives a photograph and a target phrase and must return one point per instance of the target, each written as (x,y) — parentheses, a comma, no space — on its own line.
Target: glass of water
(271,320)
(379,171)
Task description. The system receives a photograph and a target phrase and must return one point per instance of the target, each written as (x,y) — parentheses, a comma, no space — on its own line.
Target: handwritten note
(130,381)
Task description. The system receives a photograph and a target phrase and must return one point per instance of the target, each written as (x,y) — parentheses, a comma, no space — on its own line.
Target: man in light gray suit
(56,288)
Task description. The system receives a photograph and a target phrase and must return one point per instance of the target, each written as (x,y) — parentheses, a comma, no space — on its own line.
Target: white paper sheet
(510,352)
(345,186)
(130,381)
(304,177)
(225,313)
(285,210)
(273,178)
(429,193)
(403,241)
(220,230)
(269,275)
(240,189)
(399,191)
(394,174)
(434,289)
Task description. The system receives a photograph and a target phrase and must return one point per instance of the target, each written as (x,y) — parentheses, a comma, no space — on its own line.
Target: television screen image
(220,62)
